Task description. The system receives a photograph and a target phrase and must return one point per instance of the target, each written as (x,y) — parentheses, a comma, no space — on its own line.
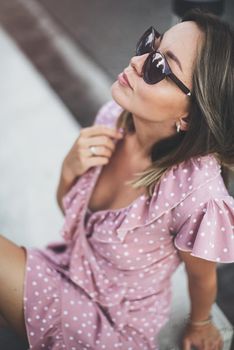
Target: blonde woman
(141,191)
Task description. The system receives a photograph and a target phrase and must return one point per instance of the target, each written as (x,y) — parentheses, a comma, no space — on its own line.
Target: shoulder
(184,188)
(108,113)
(197,177)
(190,182)
(197,171)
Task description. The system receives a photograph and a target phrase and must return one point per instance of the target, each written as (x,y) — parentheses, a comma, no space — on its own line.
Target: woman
(107,286)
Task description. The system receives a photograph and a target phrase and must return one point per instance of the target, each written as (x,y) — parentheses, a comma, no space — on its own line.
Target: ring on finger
(93,150)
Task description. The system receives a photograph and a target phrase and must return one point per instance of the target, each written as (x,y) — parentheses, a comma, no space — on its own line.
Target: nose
(137,63)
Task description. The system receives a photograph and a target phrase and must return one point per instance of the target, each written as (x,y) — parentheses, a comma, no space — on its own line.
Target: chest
(112,193)
(111,190)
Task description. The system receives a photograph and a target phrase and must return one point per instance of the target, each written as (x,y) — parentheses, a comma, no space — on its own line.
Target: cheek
(122,95)
(160,101)
(153,102)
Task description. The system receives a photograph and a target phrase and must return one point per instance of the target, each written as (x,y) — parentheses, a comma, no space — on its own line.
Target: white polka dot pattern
(108,283)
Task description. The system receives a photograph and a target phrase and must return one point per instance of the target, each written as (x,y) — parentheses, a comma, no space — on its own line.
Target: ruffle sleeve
(208,232)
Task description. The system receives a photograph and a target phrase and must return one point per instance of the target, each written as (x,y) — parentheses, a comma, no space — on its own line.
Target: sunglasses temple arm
(180,84)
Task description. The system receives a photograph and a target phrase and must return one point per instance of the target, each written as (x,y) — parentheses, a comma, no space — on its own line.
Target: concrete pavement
(36,132)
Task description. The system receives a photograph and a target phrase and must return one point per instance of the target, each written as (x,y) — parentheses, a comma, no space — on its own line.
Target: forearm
(202,295)
(65,183)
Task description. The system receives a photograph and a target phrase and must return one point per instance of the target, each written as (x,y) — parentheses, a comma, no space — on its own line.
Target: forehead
(183,40)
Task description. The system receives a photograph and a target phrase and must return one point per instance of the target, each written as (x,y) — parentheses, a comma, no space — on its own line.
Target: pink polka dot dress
(107,284)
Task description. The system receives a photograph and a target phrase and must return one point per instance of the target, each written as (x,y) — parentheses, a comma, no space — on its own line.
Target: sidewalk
(75,78)
(36,132)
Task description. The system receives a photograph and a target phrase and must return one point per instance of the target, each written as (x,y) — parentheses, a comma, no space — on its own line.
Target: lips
(123,79)
(126,78)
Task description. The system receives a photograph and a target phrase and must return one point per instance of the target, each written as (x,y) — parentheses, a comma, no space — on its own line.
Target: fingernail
(121,130)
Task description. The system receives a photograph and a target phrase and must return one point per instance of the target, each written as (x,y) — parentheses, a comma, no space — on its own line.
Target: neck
(147,134)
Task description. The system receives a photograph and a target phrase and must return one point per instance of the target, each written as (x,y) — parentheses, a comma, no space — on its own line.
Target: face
(164,101)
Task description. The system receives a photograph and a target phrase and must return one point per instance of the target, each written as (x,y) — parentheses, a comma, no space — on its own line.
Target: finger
(186,344)
(220,345)
(99,141)
(214,345)
(101,130)
(101,151)
(217,344)
(94,161)
(206,346)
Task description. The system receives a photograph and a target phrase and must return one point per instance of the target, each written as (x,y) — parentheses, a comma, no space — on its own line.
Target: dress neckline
(104,211)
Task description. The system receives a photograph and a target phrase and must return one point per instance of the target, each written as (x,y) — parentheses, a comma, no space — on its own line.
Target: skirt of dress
(60,314)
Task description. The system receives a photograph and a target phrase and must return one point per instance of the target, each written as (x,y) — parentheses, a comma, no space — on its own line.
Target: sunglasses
(156,67)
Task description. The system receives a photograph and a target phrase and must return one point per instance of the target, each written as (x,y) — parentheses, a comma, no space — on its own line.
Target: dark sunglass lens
(145,44)
(154,68)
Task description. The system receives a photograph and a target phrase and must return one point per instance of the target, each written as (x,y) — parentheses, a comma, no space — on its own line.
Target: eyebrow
(171,55)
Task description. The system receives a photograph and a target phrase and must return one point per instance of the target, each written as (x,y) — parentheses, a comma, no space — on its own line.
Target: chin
(119,96)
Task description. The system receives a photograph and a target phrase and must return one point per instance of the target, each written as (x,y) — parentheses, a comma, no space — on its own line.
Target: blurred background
(80,46)
(58,61)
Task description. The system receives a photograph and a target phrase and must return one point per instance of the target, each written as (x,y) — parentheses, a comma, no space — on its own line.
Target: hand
(80,159)
(205,337)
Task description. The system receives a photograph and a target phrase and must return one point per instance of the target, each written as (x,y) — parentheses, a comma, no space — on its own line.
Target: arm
(202,283)
(65,183)
(202,289)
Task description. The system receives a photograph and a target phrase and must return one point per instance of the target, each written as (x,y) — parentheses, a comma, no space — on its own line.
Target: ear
(184,125)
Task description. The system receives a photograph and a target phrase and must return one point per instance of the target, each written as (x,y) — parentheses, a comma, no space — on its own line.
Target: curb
(77,80)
